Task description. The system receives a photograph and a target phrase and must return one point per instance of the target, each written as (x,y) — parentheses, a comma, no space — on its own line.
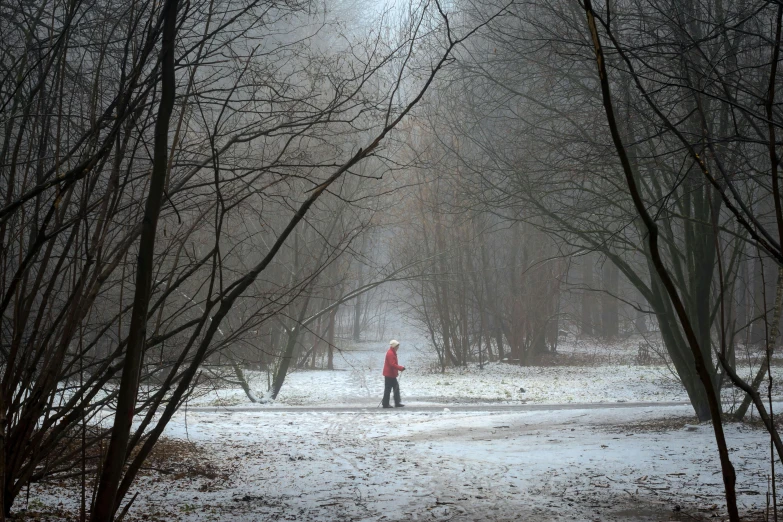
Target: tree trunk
(106,499)
(240,375)
(357,311)
(442,299)
(587,296)
(640,319)
(609,308)
(553,326)
(288,353)
(330,341)
(3,428)
(774,331)
(764,270)
(741,291)
(676,346)
(641,322)
(492,297)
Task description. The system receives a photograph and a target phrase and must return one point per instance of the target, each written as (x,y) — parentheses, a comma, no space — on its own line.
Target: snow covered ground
(300,458)
(630,464)
(609,374)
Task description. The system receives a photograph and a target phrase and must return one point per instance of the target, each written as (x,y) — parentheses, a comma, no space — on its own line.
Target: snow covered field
(622,464)
(453,454)
(610,374)
(641,464)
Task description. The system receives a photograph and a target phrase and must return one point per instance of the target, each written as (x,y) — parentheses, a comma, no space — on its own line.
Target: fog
(342,260)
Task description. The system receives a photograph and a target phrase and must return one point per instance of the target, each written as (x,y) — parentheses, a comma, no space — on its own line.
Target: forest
(566,215)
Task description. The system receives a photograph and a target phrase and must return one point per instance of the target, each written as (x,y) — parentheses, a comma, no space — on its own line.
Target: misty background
(217,194)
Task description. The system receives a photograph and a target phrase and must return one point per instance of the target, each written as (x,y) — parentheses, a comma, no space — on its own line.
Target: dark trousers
(391,383)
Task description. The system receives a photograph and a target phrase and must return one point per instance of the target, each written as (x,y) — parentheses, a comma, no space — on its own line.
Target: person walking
(390,372)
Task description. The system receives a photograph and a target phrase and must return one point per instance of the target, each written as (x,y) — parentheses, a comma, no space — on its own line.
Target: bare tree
(231,137)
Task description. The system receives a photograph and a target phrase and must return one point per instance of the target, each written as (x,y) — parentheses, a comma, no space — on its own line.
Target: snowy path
(419,408)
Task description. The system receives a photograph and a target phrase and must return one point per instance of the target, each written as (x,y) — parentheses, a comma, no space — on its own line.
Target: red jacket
(390,366)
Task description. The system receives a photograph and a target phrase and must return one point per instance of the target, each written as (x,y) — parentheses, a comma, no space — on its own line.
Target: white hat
(393,342)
